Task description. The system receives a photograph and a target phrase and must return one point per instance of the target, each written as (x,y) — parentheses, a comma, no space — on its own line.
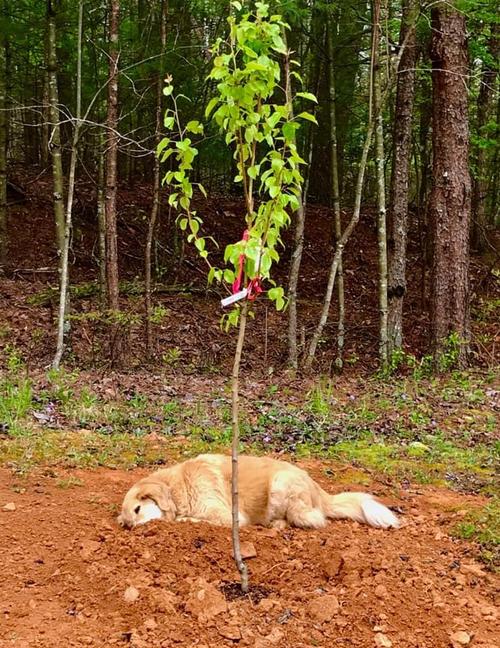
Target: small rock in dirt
(205,601)
(275,636)
(460,638)
(230,631)
(87,548)
(150,624)
(381,591)
(323,608)
(333,567)
(489,612)
(10,506)
(164,601)
(248,550)
(472,568)
(131,594)
(266,604)
(382,641)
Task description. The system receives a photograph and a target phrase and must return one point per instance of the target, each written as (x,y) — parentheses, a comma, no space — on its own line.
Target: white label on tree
(227,301)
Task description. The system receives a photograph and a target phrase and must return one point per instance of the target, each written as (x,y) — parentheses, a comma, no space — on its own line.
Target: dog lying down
(271,493)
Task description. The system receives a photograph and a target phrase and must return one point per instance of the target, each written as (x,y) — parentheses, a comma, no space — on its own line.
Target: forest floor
(71,443)
(72,577)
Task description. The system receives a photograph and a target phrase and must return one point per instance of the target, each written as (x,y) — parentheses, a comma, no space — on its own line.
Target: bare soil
(72,577)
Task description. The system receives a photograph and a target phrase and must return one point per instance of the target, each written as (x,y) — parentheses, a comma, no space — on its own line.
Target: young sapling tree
(253,110)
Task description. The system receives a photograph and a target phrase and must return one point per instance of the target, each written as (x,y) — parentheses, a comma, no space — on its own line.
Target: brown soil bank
(71,577)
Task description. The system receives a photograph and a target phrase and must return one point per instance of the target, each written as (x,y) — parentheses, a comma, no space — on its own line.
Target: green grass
(482,525)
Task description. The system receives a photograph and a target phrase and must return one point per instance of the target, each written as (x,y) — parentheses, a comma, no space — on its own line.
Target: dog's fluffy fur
(271,493)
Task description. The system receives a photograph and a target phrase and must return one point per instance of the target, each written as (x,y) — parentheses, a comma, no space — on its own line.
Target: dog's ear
(161,494)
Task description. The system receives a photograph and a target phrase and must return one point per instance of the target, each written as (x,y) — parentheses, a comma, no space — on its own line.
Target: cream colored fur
(271,493)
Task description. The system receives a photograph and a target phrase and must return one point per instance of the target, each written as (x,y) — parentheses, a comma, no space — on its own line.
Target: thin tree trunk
(450,202)
(485,107)
(3,142)
(156,184)
(101,220)
(380,171)
(111,180)
(235,529)
(336,194)
(55,138)
(298,248)
(63,323)
(398,210)
(339,248)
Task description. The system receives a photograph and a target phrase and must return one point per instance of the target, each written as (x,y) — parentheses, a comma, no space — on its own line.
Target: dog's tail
(361,507)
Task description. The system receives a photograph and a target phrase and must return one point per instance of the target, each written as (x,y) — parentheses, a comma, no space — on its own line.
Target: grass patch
(482,526)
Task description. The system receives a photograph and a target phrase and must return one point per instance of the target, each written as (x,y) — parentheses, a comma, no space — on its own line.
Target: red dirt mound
(72,577)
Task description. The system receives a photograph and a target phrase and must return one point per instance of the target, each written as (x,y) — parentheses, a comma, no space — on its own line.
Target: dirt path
(67,571)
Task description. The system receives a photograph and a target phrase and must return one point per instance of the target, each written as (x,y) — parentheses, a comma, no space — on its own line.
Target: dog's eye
(137,509)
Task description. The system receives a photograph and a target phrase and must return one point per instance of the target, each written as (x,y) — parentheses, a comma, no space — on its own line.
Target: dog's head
(147,500)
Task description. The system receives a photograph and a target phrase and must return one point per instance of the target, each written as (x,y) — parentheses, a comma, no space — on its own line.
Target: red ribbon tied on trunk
(254,287)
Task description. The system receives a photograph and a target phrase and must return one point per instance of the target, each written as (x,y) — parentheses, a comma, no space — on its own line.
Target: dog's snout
(123,522)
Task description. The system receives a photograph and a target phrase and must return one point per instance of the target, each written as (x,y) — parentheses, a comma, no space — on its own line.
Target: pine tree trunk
(111,180)
(55,137)
(450,201)
(485,107)
(3,143)
(398,214)
(335,193)
(156,185)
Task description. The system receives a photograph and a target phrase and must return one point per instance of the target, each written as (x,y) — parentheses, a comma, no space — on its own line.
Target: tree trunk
(298,247)
(380,172)
(235,527)
(335,192)
(156,184)
(55,137)
(339,249)
(485,107)
(450,201)
(101,220)
(398,210)
(63,323)
(3,143)
(111,180)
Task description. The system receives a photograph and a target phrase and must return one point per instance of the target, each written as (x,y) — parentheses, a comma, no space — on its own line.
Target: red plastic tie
(241,262)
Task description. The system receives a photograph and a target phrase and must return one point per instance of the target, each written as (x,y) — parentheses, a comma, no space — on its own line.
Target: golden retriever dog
(271,493)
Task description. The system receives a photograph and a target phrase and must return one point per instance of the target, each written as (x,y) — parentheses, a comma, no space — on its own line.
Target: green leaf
(307,95)
(210,106)
(308,116)
(168,122)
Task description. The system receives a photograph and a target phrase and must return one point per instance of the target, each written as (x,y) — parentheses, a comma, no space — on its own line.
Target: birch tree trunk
(398,209)
(336,192)
(111,180)
(156,183)
(450,201)
(380,169)
(62,323)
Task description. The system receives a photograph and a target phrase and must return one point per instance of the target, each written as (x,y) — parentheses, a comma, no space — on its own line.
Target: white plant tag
(227,301)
